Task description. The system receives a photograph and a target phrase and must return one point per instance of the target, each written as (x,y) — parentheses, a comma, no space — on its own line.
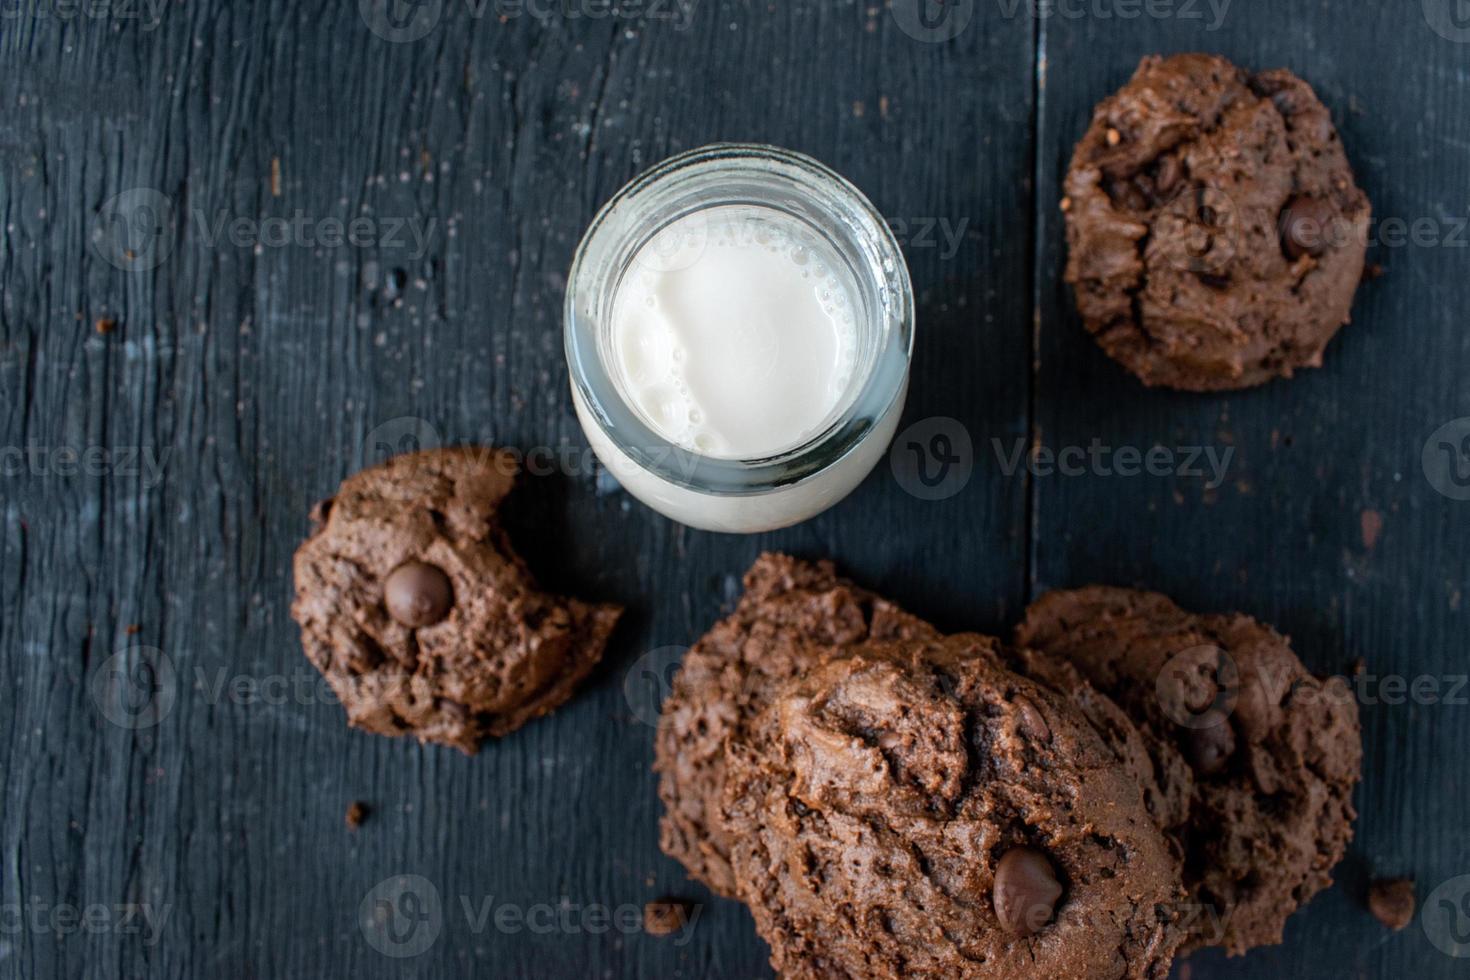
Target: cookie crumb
(1372,528)
(275,176)
(1391,900)
(1114,137)
(665,916)
(132,629)
(357,812)
(1372,272)
(105,325)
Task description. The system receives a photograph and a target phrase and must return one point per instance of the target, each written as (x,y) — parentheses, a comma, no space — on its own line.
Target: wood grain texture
(257,375)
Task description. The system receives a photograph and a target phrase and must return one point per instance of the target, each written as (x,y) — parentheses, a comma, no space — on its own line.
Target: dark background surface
(260,375)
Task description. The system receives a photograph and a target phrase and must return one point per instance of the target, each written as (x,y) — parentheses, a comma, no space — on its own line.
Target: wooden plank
(1292,535)
(262,375)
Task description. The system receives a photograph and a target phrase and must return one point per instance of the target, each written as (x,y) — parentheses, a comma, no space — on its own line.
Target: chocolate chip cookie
(916,809)
(417,611)
(1216,234)
(1266,754)
(792,612)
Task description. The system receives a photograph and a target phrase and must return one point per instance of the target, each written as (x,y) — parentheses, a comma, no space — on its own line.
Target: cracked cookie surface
(1265,755)
(1216,236)
(916,809)
(791,614)
(422,618)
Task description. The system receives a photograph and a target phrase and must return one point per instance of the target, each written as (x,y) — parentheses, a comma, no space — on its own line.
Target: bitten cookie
(1216,235)
(422,618)
(916,809)
(792,612)
(1266,754)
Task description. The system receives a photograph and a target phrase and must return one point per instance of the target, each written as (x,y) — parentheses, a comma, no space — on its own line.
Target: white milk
(747,314)
(732,333)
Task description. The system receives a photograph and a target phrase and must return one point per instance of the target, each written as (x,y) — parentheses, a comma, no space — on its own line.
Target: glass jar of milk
(739,322)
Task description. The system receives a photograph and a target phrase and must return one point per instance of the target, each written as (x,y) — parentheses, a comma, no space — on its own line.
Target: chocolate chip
(1392,902)
(1168,174)
(1211,744)
(1306,227)
(1254,710)
(1032,724)
(1026,891)
(1128,196)
(418,594)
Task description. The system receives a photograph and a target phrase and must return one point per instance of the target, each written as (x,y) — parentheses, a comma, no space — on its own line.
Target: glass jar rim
(620,422)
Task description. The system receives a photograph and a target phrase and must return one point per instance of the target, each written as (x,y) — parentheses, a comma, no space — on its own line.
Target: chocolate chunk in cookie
(1026,891)
(792,612)
(417,594)
(916,809)
(422,618)
(1216,234)
(1265,755)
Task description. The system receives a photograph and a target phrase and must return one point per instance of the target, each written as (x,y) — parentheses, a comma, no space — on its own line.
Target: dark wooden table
(183,377)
